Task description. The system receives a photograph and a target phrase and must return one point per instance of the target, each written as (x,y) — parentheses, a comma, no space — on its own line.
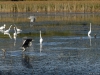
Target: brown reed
(50,6)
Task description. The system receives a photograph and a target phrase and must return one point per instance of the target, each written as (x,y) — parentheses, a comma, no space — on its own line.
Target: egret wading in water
(89,34)
(41,40)
(90,39)
(3,27)
(89,30)
(18,30)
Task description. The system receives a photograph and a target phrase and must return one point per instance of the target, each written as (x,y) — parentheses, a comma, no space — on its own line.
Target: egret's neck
(10,27)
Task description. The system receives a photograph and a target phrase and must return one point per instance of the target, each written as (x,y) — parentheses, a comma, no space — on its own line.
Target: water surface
(66,47)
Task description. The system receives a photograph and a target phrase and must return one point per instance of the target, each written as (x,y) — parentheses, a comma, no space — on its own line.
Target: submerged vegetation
(50,6)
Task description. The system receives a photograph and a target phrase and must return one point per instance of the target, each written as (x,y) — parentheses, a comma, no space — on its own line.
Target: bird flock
(7,32)
(27,41)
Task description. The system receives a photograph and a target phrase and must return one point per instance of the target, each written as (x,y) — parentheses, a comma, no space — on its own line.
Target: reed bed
(50,6)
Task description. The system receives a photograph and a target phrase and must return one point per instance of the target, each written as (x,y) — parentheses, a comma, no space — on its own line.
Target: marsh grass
(50,6)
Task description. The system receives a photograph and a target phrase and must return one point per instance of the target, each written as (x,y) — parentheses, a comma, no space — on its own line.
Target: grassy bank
(50,6)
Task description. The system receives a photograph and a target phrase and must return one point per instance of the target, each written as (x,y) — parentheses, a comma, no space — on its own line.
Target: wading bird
(18,30)
(41,40)
(89,30)
(26,43)
(3,27)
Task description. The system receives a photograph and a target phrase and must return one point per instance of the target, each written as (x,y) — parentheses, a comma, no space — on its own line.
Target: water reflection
(2,31)
(6,33)
(4,53)
(40,48)
(90,39)
(14,36)
(58,42)
(26,61)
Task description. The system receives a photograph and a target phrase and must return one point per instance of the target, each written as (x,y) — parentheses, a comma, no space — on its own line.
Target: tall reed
(50,6)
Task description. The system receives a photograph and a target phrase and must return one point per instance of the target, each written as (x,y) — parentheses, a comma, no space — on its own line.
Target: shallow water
(66,47)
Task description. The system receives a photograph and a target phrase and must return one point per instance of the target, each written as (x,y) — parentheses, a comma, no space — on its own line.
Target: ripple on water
(54,43)
(36,53)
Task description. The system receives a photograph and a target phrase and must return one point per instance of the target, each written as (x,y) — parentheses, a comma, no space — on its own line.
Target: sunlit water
(66,47)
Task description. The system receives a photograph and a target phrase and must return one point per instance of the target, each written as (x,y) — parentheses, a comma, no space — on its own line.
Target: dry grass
(50,6)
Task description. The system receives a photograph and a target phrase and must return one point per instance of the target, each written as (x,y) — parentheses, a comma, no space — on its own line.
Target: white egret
(18,30)
(3,27)
(89,30)
(41,40)
(32,18)
(7,31)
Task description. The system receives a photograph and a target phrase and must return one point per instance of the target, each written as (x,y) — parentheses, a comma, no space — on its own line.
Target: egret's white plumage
(89,30)
(41,40)
(15,33)
(3,27)
(7,31)
(32,18)
(18,30)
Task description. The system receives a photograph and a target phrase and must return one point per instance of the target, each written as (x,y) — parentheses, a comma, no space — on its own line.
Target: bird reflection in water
(4,53)
(40,48)
(41,40)
(26,61)
(7,32)
(14,36)
(90,39)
